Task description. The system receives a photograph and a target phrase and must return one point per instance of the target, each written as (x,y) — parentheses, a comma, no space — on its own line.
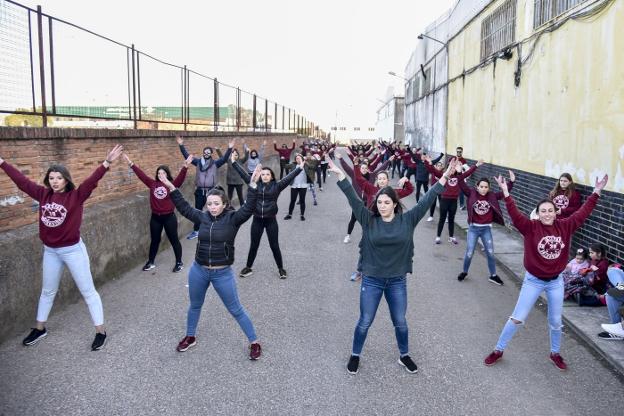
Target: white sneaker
(437,240)
(614,329)
(347,239)
(453,240)
(429,219)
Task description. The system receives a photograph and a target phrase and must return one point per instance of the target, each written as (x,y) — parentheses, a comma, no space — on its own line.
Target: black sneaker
(98,341)
(35,336)
(410,366)
(178,267)
(353,364)
(283,274)
(608,336)
(148,266)
(246,272)
(496,280)
(302,218)
(287,217)
(462,276)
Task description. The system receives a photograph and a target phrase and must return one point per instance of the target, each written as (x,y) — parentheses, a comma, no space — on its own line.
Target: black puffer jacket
(266,203)
(215,245)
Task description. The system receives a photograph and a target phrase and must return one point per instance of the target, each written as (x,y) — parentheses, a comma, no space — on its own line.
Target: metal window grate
(546,10)
(498,30)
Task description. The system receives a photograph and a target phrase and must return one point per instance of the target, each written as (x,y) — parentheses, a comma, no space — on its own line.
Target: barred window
(498,30)
(546,10)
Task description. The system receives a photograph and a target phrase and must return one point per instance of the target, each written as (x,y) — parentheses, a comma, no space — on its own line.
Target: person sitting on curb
(615,304)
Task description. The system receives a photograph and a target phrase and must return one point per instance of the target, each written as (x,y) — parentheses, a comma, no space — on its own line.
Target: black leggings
(318,176)
(283,164)
(170,223)
(447,206)
(396,165)
(257,228)
(425,185)
(239,193)
(200,202)
(409,172)
(352,222)
(324,171)
(432,209)
(294,192)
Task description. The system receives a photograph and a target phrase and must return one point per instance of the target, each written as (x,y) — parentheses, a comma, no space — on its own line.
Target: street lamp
(394,74)
(422,35)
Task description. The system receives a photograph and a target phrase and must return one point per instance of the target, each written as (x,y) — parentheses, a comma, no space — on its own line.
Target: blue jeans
(613,304)
(485,234)
(77,261)
(531,289)
(395,291)
(224,282)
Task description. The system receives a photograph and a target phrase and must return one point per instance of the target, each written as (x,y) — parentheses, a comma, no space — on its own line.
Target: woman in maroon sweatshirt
(546,244)
(448,199)
(60,215)
(163,211)
(565,197)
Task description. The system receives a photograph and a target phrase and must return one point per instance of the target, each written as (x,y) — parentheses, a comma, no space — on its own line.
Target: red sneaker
(186,343)
(255,351)
(493,357)
(557,360)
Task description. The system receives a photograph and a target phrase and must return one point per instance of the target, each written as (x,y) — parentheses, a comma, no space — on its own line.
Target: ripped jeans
(485,234)
(531,289)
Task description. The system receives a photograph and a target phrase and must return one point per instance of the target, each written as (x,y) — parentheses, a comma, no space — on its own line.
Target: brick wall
(605,225)
(33,150)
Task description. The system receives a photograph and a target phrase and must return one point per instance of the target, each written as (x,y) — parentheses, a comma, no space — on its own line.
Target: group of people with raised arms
(386,245)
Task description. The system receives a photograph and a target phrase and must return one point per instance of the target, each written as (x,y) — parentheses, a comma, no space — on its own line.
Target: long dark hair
(599,248)
(569,190)
(387,190)
(271,171)
(64,173)
(167,171)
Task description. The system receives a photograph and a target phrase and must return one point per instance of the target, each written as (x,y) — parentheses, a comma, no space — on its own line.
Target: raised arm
(404,189)
(89,184)
(183,207)
(242,172)
(287,180)
(346,166)
(27,186)
(361,213)
(179,180)
(437,159)
(512,179)
(184,152)
(138,172)
(223,159)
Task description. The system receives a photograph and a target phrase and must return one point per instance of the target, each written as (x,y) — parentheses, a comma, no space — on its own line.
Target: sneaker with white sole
(410,366)
(614,329)
(496,280)
(438,241)
(429,219)
(353,365)
(192,235)
(347,239)
(186,343)
(178,267)
(247,271)
(148,266)
(35,336)
(355,276)
(98,341)
(453,240)
(610,337)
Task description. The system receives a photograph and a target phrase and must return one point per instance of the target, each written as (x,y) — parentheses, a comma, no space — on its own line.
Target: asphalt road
(305,324)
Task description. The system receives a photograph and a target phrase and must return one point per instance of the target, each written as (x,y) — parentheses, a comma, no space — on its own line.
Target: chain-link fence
(55,73)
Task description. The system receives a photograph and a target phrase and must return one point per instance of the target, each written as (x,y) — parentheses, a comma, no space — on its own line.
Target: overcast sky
(326,59)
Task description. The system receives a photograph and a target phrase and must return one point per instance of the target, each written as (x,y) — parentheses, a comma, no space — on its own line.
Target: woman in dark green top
(386,252)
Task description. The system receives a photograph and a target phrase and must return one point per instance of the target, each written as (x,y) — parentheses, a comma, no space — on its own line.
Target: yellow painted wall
(567,115)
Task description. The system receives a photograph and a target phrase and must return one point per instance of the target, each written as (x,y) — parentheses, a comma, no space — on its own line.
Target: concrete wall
(115,226)
(566,115)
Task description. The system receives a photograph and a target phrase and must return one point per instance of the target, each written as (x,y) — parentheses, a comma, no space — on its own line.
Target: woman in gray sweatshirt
(386,252)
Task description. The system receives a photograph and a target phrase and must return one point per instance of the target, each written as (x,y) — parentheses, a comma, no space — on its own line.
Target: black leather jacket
(266,203)
(215,245)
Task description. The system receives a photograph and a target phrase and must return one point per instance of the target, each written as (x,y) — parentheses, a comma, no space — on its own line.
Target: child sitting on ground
(574,273)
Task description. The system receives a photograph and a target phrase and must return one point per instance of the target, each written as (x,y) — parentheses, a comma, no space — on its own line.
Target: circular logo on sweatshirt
(561,201)
(53,214)
(481,207)
(550,247)
(160,192)
(452,182)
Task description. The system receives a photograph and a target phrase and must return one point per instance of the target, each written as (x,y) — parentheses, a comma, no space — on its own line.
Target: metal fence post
(238,109)
(216,105)
(134,114)
(44,114)
(266,115)
(254,113)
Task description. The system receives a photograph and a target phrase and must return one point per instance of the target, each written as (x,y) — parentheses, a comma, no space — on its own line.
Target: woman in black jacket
(214,256)
(265,215)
